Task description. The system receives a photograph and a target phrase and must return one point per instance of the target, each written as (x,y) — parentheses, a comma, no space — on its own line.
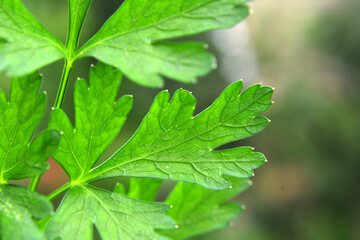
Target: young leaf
(198,210)
(133,38)
(172,144)
(17,206)
(98,120)
(28,44)
(115,216)
(19,119)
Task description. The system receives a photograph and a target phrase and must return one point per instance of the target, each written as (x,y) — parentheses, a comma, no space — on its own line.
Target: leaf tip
(214,66)
(251,11)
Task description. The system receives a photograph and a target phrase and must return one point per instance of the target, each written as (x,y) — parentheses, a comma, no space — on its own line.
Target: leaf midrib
(189,139)
(14,134)
(103,205)
(86,48)
(51,41)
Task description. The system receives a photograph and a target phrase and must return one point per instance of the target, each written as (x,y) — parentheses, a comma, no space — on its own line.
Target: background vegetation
(310,52)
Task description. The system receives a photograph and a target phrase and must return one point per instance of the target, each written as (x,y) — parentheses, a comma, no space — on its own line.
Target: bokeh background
(310,52)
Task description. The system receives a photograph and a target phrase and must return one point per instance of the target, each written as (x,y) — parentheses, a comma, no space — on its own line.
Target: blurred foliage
(309,190)
(337,32)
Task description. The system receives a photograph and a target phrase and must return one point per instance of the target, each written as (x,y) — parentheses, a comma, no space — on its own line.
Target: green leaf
(17,206)
(172,144)
(98,120)
(19,118)
(28,44)
(133,38)
(169,144)
(77,13)
(144,188)
(120,188)
(198,210)
(115,216)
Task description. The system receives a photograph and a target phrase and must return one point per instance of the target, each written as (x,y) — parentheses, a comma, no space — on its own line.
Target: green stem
(58,192)
(34,183)
(63,84)
(58,104)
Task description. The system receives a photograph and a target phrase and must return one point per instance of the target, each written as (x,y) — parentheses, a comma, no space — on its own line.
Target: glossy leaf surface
(19,118)
(134,38)
(172,144)
(115,216)
(26,45)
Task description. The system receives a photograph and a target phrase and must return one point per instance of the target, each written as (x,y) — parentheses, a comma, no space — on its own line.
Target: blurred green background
(310,52)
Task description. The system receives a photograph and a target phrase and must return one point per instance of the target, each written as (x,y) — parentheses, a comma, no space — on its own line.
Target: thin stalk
(77,14)
(63,84)
(58,104)
(58,192)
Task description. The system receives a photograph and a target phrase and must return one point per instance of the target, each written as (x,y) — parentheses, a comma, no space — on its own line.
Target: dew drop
(176,226)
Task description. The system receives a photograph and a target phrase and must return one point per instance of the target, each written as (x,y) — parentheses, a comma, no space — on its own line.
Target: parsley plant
(170,143)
